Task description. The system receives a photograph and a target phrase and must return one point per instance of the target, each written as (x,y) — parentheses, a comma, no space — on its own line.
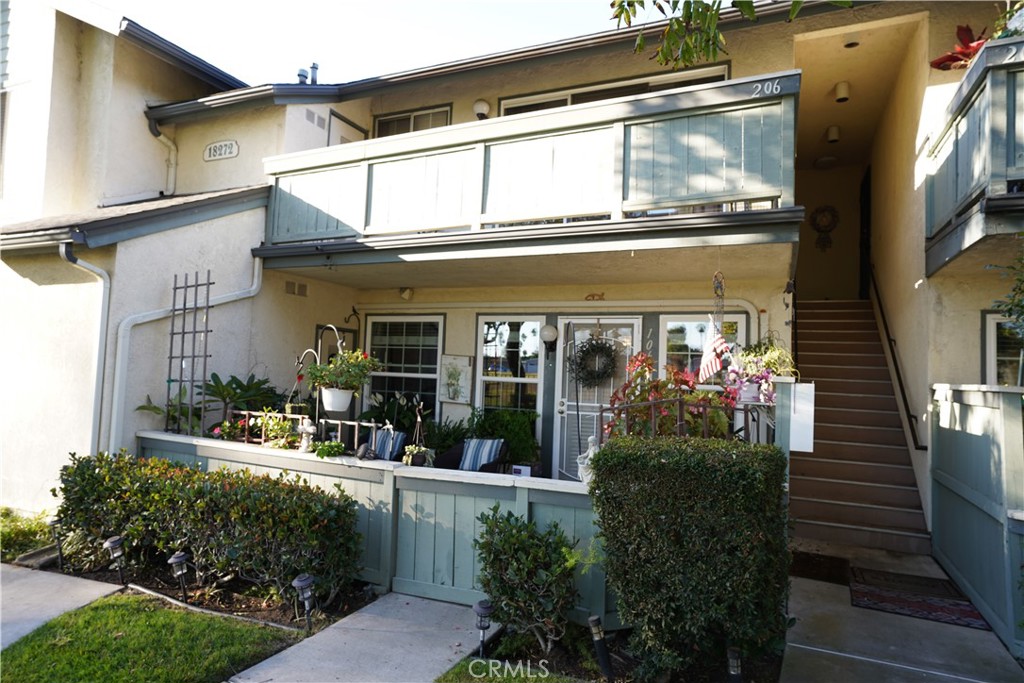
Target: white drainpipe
(65,251)
(171,184)
(124,331)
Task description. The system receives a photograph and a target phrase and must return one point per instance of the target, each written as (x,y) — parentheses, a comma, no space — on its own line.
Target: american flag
(711,361)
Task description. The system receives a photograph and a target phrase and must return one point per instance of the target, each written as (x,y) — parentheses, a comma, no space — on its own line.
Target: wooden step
(838,357)
(852,417)
(857,514)
(889,436)
(805,315)
(862,452)
(810,465)
(824,400)
(833,324)
(812,335)
(897,540)
(860,492)
(851,386)
(833,304)
(843,347)
(814,372)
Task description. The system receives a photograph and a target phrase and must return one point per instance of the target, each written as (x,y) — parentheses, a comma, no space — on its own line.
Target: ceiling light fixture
(842,91)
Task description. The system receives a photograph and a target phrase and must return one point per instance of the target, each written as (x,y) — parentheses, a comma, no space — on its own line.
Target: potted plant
(341,377)
(752,371)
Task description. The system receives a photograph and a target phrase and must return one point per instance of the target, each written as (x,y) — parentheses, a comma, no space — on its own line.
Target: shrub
(694,533)
(527,574)
(262,529)
(19,534)
(517,427)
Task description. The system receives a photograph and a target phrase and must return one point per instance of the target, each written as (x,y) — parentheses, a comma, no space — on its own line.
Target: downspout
(171,184)
(124,331)
(65,251)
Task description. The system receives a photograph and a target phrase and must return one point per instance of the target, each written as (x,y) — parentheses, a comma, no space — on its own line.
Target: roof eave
(176,56)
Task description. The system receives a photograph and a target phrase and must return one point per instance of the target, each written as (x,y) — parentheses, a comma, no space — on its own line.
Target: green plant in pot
(752,370)
(341,377)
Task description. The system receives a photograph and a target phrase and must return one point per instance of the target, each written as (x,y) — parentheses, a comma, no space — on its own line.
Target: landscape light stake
(483,610)
(735,665)
(179,568)
(115,546)
(303,585)
(55,531)
(597,631)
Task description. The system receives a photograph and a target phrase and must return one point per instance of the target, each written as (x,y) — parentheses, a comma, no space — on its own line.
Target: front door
(578,402)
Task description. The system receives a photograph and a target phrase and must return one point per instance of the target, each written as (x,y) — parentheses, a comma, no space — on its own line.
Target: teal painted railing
(721,144)
(977,449)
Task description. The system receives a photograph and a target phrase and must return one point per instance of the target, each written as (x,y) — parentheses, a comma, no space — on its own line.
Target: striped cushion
(478,452)
(389,444)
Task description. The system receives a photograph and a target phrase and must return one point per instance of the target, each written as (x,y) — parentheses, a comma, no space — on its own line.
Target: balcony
(978,159)
(717,149)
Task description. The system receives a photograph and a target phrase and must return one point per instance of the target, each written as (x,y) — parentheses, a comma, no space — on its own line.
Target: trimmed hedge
(694,532)
(263,529)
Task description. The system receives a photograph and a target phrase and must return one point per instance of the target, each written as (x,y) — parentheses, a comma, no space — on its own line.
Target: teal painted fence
(977,448)
(418,524)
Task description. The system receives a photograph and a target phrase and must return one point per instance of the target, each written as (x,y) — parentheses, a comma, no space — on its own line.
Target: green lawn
(137,638)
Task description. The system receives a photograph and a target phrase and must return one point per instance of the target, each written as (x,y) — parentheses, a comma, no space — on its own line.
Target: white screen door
(578,407)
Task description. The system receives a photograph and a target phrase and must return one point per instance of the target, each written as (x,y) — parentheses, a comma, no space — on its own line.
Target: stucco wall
(258,133)
(830,272)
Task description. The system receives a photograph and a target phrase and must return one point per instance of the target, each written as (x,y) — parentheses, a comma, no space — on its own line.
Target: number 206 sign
(225,149)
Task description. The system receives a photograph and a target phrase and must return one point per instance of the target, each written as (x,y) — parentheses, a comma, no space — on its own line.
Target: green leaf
(794,9)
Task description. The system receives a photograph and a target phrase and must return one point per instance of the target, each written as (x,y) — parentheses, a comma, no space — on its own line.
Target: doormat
(913,596)
(820,567)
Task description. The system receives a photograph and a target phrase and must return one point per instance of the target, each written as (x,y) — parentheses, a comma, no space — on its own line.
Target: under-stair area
(858,486)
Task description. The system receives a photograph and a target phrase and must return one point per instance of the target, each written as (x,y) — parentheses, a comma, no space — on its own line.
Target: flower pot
(750,393)
(336,400)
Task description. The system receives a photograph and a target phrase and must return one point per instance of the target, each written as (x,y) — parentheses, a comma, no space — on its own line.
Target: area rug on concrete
(820,567)
(913,596)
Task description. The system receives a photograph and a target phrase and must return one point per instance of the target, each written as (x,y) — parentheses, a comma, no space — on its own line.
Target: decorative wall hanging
(824,220)
(594,362)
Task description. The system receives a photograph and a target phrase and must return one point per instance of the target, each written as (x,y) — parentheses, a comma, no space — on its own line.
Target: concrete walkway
(30,598)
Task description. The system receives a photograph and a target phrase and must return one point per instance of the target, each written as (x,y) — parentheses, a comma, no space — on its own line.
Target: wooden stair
(858,486)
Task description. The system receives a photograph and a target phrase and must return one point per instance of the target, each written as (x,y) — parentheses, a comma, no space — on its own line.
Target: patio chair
(474,455)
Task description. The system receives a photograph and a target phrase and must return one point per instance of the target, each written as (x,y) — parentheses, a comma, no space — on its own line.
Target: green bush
(694,532)
(262,529)
(517,427)
(19,534)
(527,574)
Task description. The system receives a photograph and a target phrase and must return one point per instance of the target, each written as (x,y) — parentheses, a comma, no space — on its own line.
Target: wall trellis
(187,359)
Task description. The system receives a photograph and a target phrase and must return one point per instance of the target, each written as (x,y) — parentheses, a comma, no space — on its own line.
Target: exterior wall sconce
(303,585)
(115,546)
(483,609)
(179,568)
(832,134)
(549,335)
(842,91)
(405,292)
(481,108)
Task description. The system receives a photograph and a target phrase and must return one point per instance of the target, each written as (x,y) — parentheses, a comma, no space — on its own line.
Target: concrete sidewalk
(30,598)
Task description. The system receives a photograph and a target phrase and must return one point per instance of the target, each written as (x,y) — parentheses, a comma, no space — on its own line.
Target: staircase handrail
(911,418)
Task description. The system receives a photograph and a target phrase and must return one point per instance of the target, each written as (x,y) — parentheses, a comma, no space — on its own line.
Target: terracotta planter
(336,400)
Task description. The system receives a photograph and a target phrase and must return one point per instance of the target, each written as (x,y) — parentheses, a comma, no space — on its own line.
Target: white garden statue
(307,430)
(583,460)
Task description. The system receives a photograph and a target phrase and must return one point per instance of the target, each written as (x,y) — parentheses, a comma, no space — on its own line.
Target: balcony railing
(980,152)
(725,146)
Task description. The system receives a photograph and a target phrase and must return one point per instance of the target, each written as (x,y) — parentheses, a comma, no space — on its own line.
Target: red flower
(299,378)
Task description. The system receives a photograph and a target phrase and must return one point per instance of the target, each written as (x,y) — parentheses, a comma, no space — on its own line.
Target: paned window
(411,121)
(683,338)
(410,349)
(510,362)
(1003,345)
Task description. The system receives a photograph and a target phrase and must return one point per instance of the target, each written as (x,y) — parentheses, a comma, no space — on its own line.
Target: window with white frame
(509,363)
(395,124)
(1003,350)
(682,338)
(410,349)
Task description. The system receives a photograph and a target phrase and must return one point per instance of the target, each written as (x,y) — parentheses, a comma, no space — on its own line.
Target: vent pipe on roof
(303,75)
(312,73)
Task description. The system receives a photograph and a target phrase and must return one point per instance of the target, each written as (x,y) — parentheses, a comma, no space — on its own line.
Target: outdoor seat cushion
(453,458)
(478,452)
(390,444)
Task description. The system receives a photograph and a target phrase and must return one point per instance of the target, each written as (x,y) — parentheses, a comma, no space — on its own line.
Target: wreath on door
(594,362)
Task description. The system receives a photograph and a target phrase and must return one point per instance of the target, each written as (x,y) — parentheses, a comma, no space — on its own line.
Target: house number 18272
(225,149)
(767,88)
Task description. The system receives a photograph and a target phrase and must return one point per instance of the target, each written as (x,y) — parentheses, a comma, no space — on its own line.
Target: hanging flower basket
(336,400)
(594,362)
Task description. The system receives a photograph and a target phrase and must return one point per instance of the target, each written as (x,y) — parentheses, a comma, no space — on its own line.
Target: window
(410,349)
(682,338)
(607,91)
(1003,349)
(509,362)
(411,121)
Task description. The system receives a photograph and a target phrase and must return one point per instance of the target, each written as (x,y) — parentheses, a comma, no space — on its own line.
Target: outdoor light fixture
(832,134)
(601,647)
(179,568)
(56,532)
(735,665)
(483,610)
(303,585)
(481,108)
(842,91)
(115,546)
(405,292)
(549,335)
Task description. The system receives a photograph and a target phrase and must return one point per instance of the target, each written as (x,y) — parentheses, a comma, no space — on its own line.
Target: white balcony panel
(426,192)
(691,159)
(555,175)
(319,205)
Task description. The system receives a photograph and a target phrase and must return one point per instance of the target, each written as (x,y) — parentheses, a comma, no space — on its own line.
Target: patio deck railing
(977,444)
(712,147)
